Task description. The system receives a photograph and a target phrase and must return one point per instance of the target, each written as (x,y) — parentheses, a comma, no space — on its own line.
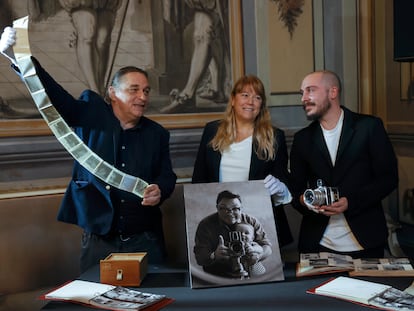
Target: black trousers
(97,247)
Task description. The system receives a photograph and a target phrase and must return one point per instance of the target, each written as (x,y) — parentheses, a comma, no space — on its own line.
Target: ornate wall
(30,158)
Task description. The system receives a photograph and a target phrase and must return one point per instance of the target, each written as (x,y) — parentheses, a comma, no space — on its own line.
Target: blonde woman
(244,145)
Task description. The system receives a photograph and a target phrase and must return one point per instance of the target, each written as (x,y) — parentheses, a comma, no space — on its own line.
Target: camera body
(236,244)
(322,195)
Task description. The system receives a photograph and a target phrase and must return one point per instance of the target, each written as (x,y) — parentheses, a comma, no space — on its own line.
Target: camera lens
(237,246)
(309,196)
(314,197)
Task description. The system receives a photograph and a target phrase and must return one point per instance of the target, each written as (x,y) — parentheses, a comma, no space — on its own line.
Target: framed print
(231,234)
(158,36)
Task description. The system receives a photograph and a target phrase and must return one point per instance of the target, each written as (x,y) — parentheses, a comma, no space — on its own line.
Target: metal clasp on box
(119,274)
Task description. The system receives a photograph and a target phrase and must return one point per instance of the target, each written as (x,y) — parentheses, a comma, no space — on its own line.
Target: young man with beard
(349,151)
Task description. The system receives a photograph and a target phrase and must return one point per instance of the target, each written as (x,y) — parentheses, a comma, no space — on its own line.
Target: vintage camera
(321,195)
(236,244)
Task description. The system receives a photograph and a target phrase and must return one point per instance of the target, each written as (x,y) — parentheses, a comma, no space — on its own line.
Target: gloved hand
(8,39)
(278,190)
(274,185)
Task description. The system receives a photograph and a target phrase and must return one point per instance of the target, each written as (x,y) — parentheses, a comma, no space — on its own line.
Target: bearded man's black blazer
(365,172)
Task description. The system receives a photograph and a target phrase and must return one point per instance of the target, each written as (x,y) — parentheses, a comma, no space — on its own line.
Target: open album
(376,295)
(382,267)
(324,262)
(107,297)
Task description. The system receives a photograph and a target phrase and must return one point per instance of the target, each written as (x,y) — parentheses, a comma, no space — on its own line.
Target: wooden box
(124,269)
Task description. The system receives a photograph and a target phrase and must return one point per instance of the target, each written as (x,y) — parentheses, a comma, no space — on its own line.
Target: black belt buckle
(124,237)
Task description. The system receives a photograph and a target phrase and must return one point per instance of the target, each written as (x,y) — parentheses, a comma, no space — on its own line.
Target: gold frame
(38,127)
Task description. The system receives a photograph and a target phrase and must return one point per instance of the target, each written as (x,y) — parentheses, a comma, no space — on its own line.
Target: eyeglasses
(229,210)
(256,98)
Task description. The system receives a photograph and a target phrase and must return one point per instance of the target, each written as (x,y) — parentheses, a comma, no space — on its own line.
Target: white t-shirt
(338,235)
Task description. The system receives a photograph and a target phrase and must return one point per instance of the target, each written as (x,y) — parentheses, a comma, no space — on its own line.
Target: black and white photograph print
(231,234)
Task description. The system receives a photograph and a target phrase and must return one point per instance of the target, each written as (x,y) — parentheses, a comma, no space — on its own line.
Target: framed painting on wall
(154,35)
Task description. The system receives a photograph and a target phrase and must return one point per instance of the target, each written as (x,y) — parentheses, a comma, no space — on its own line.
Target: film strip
(65,135)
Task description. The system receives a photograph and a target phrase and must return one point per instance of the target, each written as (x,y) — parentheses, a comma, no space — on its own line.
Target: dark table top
(287,295)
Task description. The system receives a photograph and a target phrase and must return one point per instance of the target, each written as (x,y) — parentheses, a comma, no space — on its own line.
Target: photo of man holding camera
(342,165)
(220,247)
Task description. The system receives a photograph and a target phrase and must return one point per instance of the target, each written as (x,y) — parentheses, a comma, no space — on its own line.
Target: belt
(122,236)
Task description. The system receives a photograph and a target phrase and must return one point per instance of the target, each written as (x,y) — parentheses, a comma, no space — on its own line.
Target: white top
(338,235)
(235,161)
(332,138)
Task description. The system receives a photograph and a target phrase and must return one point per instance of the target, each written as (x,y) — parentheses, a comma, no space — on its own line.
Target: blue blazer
(365,172)
(207,166)
(87,201)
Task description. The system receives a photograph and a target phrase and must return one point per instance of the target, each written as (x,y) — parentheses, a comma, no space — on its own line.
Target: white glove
(274,185)
(8,39)
(278,190)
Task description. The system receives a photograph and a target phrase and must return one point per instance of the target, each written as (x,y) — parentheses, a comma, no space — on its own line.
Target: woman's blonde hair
(263,135)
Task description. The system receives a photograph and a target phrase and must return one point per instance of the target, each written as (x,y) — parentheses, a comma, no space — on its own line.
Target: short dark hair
(123,71)
(227,195)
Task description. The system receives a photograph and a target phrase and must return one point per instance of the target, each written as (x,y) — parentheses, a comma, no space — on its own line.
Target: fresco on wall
(183,44)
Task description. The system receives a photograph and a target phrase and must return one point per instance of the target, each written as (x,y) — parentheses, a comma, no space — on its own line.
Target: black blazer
(365,172)
(207,165)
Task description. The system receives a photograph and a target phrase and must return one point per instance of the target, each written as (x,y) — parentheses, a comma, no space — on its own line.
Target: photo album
(325,263)
(108,297)
(370,294)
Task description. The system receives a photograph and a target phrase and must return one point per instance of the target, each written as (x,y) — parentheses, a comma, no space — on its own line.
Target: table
(287,295)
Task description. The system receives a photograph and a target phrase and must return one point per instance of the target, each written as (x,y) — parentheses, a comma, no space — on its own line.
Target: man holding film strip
(122,170)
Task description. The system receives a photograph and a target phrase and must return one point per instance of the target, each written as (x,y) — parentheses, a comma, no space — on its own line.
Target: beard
(319,111)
